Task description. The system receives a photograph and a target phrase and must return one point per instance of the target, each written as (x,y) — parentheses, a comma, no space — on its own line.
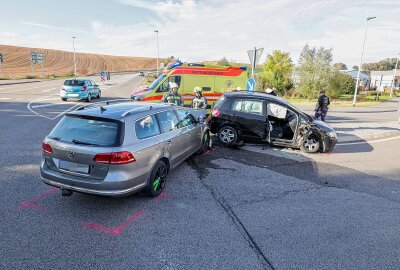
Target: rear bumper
(79,95)
(91,186)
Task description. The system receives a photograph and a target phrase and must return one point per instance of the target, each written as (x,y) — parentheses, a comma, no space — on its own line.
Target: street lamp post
(158,52)
(360,66)
(73,45)
(394,75)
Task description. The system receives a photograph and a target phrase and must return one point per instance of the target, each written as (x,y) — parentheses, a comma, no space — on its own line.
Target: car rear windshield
(74,83)
(87,130)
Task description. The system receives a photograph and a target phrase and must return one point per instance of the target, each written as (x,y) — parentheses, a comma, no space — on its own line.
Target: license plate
(73,167)
(73,95)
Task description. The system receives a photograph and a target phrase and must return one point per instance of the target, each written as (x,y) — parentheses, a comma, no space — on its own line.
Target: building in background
(382,79)
(365,79)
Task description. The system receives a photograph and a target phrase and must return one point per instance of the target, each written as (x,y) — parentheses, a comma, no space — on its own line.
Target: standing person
(321,109)
(270,91)
(173,96)
(108,76)
(199,101)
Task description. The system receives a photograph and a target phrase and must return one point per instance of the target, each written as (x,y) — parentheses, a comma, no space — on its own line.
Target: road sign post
(37,58)
(1,65)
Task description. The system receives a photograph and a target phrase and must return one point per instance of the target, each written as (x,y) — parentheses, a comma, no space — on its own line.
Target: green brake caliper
(156,183)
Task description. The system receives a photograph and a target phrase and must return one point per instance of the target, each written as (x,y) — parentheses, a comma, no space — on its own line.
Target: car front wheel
(228,135)
(310,145)
(63,99)
(89,98)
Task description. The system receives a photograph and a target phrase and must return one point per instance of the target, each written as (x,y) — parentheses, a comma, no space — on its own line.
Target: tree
(385,64)
(355,68)
(314,71)
(223,62)
(340,83)
(277,73)
(339,66)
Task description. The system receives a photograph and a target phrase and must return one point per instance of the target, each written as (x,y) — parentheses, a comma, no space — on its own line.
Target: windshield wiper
(84,143)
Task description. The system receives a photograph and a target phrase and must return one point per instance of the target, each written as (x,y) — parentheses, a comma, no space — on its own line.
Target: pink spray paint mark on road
(119,229)
(161,196)
(32,203)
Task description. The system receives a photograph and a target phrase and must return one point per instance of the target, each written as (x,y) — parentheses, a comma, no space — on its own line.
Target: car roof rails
(102,103)
(134,109)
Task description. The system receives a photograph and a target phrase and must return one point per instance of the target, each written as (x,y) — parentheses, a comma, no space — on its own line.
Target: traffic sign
(254,59)
(37,58)
(250,85)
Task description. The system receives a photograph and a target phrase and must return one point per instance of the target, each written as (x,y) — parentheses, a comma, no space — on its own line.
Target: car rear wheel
(63,99)
(89,98)
(227,135)
(157,180)
(99,94)
(311,144)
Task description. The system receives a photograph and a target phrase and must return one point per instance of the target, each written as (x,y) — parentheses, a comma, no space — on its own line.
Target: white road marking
(48,90)
(5,98)
(368,142)
(25,89)
(48,105)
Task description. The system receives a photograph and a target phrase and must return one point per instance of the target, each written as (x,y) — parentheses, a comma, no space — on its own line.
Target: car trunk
(77,139)
(77,160)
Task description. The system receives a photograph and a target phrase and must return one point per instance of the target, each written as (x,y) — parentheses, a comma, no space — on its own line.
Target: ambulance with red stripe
(213,80)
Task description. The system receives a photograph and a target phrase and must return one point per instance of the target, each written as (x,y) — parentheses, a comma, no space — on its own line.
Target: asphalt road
(249,208)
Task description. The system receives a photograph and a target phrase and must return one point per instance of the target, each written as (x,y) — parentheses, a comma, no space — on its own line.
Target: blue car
(80,89)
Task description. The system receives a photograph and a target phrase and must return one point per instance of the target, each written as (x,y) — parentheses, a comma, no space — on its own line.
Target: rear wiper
(55,138)
(84,143)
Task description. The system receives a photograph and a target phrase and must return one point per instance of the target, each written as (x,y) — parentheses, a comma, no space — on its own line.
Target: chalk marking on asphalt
(48,105)
(368,142)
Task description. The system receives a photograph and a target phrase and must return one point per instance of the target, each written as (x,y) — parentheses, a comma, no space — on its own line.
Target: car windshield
(86,131)
(74,83)
(156,82)
(219,102)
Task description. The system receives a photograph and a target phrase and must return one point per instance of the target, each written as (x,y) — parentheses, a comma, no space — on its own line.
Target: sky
(197,30)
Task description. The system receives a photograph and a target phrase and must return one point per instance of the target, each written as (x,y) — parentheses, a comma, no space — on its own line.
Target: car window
(168,121)
(248,106)
(146,127)
(276,110)
(219,102)
(88,130)
(186,118)
(164,87)
(93,83)
(74,83)
(88,83)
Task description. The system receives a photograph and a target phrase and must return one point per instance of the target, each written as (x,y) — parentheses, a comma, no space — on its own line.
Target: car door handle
(169,142)
(188,134)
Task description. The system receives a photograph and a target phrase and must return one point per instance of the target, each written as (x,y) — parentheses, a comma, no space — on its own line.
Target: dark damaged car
(262,118)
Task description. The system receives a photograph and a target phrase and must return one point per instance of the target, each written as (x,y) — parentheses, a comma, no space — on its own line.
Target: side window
(93,83)
(164,87)
(205,89)
(147,127)
(248,106)
(88,83)
(276,110)
(186,119)
(168,121)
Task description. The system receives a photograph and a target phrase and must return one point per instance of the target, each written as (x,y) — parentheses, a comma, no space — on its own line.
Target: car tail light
(46,148)
(216,113)
(84,88)
(115,158)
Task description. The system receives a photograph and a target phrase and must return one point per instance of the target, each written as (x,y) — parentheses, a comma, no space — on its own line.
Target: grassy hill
(60,63)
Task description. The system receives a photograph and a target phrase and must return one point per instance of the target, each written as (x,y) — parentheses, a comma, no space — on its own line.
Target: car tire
(228,135)
(99,94)
(64,99)
(206,143)
(310,145)
(157,180)
(89,98)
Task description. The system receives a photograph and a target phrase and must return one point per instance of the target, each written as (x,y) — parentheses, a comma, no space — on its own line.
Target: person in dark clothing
(173,96)
(199,101)
(321,109)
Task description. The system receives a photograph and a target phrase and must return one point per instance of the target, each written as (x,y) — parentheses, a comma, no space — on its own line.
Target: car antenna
(102,109)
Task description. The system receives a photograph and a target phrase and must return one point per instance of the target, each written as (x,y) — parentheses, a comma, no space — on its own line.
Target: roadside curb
(384,135)
(21,82)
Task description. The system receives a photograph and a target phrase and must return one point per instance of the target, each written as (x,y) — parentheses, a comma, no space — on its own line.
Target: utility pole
(254,62)
(158,52)
(360,66)
(73,45)
(394,76)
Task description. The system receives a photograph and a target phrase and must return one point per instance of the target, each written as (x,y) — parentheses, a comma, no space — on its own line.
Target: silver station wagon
(119,149)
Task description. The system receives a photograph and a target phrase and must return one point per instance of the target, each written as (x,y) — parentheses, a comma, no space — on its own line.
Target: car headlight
(332,134)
